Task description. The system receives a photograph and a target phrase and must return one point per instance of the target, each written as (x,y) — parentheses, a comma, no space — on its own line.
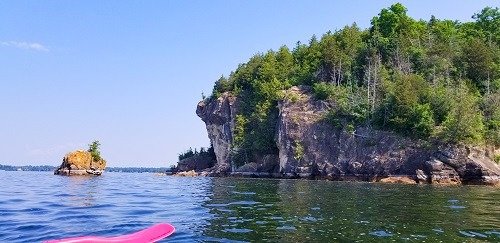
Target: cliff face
(219,116)
(311,147)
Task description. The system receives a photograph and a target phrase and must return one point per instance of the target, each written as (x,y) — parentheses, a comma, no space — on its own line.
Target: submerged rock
(80,162)
(311,147)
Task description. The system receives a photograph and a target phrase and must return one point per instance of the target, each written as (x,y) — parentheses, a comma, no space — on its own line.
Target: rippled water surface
(37,206)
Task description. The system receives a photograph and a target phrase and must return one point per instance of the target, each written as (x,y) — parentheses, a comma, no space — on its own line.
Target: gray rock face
(311,147)
(471,165)
(265,166)
(219,116)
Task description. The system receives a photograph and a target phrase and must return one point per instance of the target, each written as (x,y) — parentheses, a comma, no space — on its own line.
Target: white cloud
(25,45)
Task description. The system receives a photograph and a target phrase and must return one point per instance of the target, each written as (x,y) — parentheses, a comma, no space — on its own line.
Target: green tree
(464,123)
(286,66)
(440,102)
(488,20)
(396,35)
(405,109)
(241,122)
(478,63)
(308,59)
(339,52)
(491,108)
(441,48)
(390,22)
(95,151)
(422,121)
(222,85)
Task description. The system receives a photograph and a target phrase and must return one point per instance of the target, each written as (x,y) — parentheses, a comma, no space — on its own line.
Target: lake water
(37,206)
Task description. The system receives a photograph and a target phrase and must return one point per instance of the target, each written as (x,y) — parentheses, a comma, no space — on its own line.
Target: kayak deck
(151,234)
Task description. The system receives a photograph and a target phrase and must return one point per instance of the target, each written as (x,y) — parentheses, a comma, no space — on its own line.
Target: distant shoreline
(108,169)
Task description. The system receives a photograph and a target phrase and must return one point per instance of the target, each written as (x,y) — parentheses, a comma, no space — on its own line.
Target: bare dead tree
(372,78)
(401,62)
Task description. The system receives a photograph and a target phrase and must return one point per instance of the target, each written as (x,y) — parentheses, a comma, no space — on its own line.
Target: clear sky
(130,73)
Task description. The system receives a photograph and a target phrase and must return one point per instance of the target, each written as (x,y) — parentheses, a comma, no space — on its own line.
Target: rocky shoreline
(390,179)
(68,172)
(310,147)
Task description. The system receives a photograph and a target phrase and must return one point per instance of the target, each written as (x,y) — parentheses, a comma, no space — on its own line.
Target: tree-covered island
(433,82)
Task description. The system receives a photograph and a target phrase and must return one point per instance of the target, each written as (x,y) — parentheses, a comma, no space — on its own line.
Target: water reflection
(81,191)
(322,211)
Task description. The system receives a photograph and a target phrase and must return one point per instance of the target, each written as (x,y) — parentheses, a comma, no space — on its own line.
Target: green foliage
(221,85)
(497,159)
(349,105)
(478,61)
(323,91)
(203,152)
(308,60)
(260,83)
(173,168)
(491,109)
(95,151)
(350,128)
(391,21)
(488,21)
(298,151)
(405,108)
(440,103)
(465,121)
(241,123)
(339,53)
(423,123)
(186,154)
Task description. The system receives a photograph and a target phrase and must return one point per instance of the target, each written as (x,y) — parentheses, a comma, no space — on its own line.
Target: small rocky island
(81,162)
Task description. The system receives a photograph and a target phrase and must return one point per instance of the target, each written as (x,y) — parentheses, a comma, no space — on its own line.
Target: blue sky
(130,73)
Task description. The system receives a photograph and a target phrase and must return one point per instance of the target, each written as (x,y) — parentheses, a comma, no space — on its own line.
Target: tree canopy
(95,151)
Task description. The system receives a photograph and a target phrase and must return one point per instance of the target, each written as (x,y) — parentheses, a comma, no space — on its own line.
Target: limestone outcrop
(219,117)
(311,147)
(80,162)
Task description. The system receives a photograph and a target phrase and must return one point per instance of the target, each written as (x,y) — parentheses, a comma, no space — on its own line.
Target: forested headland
(435,80)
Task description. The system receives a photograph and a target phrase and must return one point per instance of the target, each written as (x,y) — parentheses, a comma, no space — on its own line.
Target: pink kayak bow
(151,234)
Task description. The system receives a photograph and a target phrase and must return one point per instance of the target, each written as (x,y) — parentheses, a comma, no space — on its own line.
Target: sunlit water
(37,206)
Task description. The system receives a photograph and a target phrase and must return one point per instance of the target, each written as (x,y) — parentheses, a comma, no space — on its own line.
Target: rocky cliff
(311,147)
(80,162)
(219,116)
